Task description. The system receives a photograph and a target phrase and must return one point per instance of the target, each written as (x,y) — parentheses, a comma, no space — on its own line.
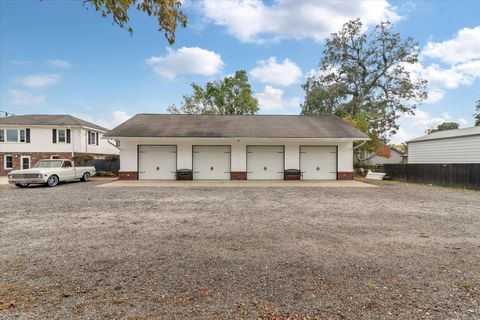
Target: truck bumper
(27,181)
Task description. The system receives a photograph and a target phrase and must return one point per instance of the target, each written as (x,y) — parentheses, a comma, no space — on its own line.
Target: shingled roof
(228,126)
(49,120)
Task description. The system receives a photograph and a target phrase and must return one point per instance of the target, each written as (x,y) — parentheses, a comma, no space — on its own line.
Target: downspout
(72,137)
(361,144)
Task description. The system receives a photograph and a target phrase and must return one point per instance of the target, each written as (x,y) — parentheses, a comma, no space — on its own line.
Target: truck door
(68,172)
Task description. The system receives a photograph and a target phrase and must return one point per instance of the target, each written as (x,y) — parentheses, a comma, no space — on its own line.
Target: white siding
(41,141)
(128,154)
(449,150)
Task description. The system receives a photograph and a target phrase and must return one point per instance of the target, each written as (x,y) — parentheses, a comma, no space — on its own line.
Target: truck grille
(24,175)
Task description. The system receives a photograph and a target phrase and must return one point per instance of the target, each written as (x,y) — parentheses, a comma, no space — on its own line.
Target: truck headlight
(39,175)
(9,176)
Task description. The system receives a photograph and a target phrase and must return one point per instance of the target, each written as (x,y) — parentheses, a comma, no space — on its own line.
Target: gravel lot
(400,251)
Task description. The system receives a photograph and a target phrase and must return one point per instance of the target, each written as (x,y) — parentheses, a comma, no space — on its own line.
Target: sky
(62,57)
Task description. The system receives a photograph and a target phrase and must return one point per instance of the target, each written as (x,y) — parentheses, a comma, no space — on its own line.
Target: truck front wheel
(52,181)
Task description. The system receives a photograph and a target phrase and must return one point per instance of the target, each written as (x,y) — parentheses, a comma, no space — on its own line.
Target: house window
(92,137)
(54,157)
(8,162)
(61,135)
(22,135)
(25,162)
(12,135)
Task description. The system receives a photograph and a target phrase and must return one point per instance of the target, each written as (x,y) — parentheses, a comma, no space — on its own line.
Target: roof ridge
(237,115)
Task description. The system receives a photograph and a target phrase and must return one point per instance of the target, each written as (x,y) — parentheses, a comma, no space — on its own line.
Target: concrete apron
(237,183)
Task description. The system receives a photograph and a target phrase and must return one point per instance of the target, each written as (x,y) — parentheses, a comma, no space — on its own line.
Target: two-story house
(27,138)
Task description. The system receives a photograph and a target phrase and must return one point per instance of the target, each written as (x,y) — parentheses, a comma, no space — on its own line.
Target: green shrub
(105,174)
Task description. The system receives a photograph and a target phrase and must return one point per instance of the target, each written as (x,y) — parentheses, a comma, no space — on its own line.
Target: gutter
(108,140)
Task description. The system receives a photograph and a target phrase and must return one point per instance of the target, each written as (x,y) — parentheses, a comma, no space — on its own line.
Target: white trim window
(13,135)
(21,135)
(25,164)
(54,157)
(61,136)
(8,162)
(92,137)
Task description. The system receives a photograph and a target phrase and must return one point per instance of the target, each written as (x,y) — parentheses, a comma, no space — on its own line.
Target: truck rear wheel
(52,181)
(86,177)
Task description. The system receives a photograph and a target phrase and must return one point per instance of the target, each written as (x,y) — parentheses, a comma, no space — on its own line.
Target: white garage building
(155,146)
(450,146)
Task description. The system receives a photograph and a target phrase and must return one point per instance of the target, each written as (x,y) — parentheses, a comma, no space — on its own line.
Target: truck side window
(67,164)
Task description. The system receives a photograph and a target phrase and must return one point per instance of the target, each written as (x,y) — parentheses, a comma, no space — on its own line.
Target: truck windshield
(48,164)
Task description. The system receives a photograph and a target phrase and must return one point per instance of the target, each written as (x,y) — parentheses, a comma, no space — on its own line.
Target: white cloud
(58,63)
(464,47)
(414,126)
(114,119)
(254,20)
(270,71)
(21,62)
(400,137)
(186,61)
(271,99)
(451,77)
(40,80)
(434,96)
(453,63)
(108,121)
(24,98)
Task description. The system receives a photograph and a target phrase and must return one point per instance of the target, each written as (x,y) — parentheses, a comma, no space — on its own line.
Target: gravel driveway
(396,252)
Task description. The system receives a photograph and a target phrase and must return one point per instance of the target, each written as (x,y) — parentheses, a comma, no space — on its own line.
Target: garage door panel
(157,162)
(318,162)
(265,162)
(211,162)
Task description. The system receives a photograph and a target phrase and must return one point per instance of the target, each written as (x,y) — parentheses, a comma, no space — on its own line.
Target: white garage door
(318,162)
(265,162)
(211,162)
(157,162)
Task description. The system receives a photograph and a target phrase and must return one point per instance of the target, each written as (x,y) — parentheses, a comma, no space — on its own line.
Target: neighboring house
(451,146)
(26,139)
(154,146)
(396,156)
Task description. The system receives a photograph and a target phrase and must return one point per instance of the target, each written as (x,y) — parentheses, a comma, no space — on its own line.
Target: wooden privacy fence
(465,175)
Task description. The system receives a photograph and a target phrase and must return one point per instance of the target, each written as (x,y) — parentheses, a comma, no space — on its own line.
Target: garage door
(318,163)
(157,162)
(211,162)
(265,162)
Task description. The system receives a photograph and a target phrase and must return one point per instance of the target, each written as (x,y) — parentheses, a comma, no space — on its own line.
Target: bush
(366,167)
(82,159)
(112,158)
(105,174)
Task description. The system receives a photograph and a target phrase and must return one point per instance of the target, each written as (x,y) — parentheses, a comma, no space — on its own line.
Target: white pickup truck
(51,173)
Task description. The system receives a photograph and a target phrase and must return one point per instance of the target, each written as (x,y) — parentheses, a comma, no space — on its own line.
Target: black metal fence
(465,175)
